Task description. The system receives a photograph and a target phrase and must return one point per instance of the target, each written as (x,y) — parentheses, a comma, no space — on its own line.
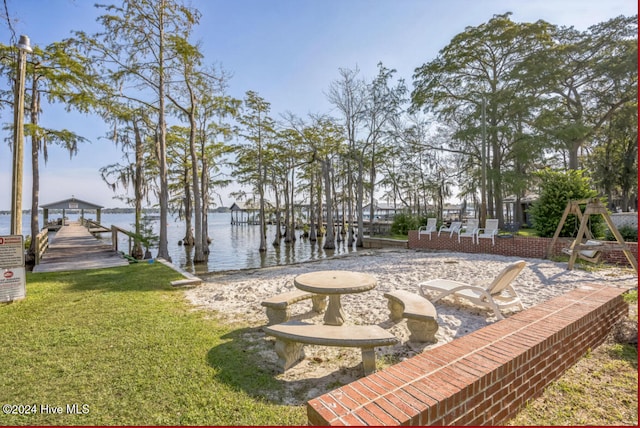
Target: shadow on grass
(247,361)
(626,353)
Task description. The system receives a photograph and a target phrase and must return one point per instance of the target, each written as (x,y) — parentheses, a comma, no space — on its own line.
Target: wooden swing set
(590,249)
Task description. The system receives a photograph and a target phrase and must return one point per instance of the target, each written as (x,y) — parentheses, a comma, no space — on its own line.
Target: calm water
(231,248)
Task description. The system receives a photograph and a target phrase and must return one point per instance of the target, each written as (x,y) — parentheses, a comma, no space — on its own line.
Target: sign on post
(13,281)
(12,284)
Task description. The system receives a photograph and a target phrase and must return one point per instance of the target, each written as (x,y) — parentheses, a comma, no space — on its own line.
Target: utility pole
(23,46)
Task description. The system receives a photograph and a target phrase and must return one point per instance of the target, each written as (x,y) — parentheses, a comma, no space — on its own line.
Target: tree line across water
(500,101)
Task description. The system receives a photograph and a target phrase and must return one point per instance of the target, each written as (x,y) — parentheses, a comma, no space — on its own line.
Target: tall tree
(132,130)
(383,105)
(190,85)
(348,94)
(588,76)
(480,68)
(214,134)
(252,162)
(613,163)
(326,138)
(137,52)
(59,74)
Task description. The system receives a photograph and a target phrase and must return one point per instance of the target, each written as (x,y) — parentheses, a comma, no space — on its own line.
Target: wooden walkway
(74,248)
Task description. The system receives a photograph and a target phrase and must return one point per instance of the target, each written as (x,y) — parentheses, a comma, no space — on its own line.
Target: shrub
(556,190)
(403,223)
(629,234)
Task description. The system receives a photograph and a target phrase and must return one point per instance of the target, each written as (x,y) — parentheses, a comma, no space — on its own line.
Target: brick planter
(516,246)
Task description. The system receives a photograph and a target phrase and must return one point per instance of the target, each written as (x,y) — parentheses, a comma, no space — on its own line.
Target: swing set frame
(593,207)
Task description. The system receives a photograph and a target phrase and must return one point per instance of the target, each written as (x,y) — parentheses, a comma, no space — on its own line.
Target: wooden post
(600,209)
(114,238)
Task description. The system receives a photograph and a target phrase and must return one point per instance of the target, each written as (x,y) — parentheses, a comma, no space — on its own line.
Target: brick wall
(482,378)
(517,246)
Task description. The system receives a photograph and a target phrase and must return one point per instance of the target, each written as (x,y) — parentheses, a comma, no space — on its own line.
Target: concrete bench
(291,336)
(420,314)
(278,306)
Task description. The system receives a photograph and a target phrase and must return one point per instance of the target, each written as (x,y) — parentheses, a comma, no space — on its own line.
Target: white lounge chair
(469,229)
(498,295)
(488,232)
(453,228)
(428,228)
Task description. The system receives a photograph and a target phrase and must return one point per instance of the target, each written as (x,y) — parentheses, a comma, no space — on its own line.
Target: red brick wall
(517,246)
(485,377)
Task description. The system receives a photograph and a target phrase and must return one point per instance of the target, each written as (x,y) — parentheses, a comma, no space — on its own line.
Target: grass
(601,389)
(127,349)
(527,232)
(124,343)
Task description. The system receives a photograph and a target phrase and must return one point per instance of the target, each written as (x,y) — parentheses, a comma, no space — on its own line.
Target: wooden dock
(74,248)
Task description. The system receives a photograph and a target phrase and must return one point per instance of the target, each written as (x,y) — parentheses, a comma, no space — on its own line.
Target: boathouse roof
(71,204)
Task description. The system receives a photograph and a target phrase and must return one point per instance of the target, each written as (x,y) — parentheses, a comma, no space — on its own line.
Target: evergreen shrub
(403,223)
(556,190)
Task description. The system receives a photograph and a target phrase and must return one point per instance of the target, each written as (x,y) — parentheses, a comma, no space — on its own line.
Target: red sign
(8,274)
(10,240)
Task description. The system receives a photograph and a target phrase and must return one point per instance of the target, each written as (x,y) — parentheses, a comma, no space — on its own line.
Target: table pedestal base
(334,315)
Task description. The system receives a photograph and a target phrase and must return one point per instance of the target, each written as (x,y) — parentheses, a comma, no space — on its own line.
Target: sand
(235,298)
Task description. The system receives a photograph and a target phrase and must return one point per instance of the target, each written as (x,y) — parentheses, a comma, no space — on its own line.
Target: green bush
(629,234)
(556,190)
(403,223)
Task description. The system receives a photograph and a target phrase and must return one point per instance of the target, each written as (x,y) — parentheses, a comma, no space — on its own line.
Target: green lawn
(125,347)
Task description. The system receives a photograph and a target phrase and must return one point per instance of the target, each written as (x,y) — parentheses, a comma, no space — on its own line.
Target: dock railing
(95,227)
(114,238)
(42,243)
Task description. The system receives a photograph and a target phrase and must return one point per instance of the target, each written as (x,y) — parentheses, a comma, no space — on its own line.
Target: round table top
(335,282)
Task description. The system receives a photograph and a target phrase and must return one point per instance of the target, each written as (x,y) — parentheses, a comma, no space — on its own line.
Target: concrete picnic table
(334,283)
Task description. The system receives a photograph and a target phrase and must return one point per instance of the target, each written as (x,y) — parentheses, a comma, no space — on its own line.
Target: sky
(288,51)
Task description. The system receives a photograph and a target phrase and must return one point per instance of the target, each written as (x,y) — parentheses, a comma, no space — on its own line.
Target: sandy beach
(235,298)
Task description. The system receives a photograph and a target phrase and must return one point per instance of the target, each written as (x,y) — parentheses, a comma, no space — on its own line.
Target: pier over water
(75,248)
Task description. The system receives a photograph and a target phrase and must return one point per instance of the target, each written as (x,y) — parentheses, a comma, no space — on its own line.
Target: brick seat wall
(516,246)
(485,377)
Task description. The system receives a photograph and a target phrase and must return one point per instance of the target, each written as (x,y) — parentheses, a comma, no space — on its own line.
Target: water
(231,248)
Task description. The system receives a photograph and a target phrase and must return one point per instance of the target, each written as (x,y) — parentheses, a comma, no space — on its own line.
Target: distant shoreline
(110,211)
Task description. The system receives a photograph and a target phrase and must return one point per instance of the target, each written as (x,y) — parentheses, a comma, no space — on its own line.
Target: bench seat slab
(420,314)
(291,336)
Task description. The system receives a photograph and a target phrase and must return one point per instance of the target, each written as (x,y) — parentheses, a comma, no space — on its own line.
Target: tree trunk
(313,236)
(329,239)
(137,251)
(573,153)
(35,172)
(359,199)
(163,247)
(198,256)
(188,239)
(278,232)
(205,204)
(263,220)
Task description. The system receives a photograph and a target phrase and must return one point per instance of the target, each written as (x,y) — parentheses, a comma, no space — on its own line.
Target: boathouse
(72,204)
(244,213)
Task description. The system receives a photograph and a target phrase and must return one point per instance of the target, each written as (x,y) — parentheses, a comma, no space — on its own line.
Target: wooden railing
(94,226)
(114,238)
(42,243)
